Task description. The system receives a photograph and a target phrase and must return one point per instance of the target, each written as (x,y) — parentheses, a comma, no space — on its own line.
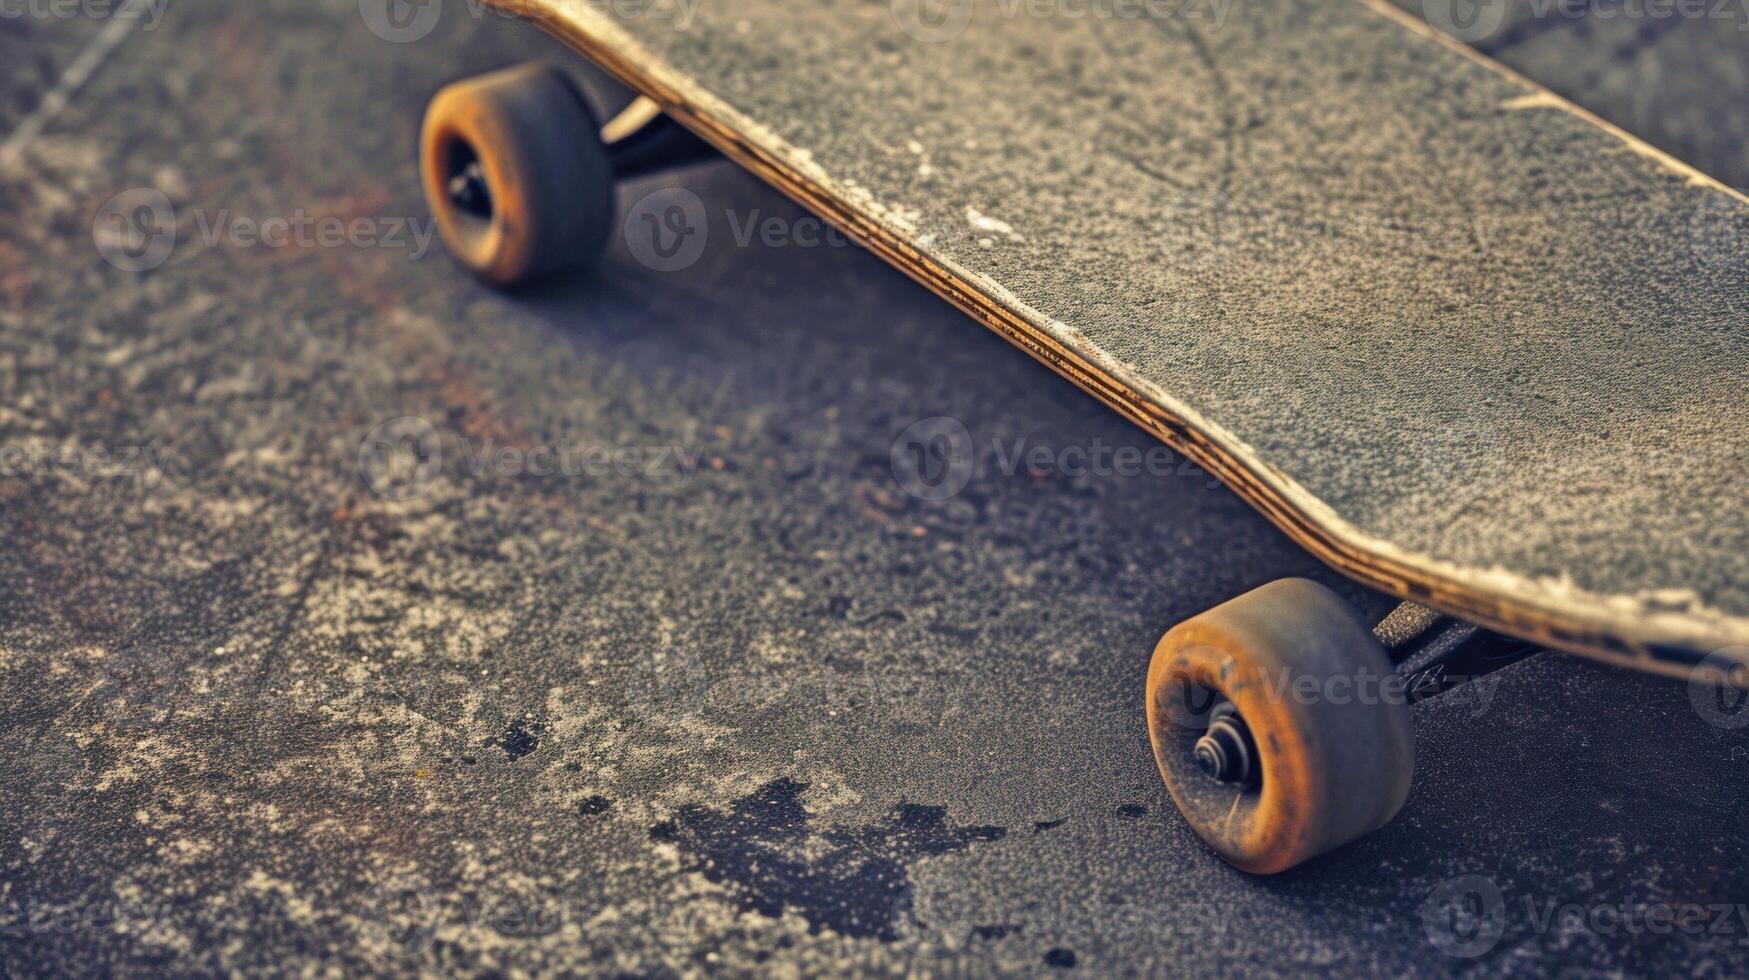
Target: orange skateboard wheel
(517,175)
(1279,725)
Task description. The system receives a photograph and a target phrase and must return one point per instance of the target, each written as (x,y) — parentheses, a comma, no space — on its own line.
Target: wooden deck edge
(1586,627)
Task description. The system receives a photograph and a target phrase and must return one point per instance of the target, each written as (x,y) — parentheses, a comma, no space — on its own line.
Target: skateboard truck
(643,140)
(1425,645)
(520,174)
(1281,723)
(640,140)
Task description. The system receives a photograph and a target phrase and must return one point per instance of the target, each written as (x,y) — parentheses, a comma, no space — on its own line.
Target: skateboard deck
(1463,341)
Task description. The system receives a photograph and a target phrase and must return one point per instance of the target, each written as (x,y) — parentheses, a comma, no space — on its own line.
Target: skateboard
(1460,339)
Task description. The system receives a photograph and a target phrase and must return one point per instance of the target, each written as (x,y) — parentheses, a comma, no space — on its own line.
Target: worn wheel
(516,174)
(1279,725)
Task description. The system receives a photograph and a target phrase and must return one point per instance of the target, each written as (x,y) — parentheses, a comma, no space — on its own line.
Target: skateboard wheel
(1276,727)
(516,174)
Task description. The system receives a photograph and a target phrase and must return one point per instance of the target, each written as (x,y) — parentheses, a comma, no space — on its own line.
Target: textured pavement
(709,693)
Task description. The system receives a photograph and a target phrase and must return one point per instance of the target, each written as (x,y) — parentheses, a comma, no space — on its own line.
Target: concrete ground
(705,691)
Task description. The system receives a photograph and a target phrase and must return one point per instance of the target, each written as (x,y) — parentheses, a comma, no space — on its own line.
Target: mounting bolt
(469,191)
(1226,753)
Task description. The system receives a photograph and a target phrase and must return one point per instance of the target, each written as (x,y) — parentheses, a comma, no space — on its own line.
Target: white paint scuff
(984,223)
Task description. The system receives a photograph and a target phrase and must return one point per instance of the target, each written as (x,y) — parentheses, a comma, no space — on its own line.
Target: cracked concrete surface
(768,714)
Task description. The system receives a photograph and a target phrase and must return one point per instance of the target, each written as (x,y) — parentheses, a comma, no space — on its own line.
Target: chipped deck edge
(1625,630)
